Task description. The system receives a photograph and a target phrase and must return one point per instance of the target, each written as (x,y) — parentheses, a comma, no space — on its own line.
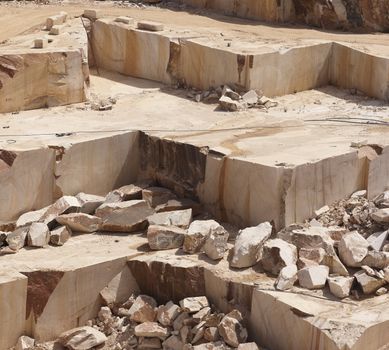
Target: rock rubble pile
(139,323)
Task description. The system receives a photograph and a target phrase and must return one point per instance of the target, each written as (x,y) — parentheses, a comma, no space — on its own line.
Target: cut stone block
(340,286)
(232,331)
(167,313)
(25,343)
(56,30)
(64,205)
(56,20)
(40,43)
(124,19)
(92,14)
(151,26)
(194,304)
(124,193)
(30,217)
(381,215)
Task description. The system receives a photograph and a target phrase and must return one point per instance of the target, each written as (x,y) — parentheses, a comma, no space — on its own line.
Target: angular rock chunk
(287,277)
(165,237)
(178,218)
(340,286)
(352,249)
(167,313)
(228,104)
(248,245)
(80,222)
(211,334)
(82,338)
(382,200)
(231,330)
(179,204)
(143,309)
(157,195)
(369,284)
(64,205)
(60,235)
(381,215)
(179,321)
(30,217)
(126,216)
(378,239)
(198,232)
(25,343)
(194,304)
(17,239)
(89,202)
(277,254)
(216,244)
(248,346)
(173,343)
(151,330)
(313,277)
(124,193)
(38,235)
(378,260)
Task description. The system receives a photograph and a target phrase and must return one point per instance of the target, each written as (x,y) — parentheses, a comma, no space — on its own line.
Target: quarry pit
(154,97)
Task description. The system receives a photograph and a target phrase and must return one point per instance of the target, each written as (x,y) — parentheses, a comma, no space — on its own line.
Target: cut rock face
(198,233)
(80,222)
(38,235)
(126,216)
(340,286)
(353,248)
(164,237)
(179,218)
(82,338)
(313,277)
(277,254)
(248,244)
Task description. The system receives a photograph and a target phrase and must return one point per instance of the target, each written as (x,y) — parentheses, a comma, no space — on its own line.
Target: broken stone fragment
(89,202)
(165,237)
(198,232)
(352,249)
(198,333)
(56,20)
(287,277)
(219,345)
(128,216)
(248,245)
(179,321)
(378,239)
(25,343)
(124,193)
(203,313)
(276,254)
(248,346)
(155,196)
(60,235)
(194,304)
(211,334)
(17,239)
(250,97)
(80,222)
(178,218)
(143,309)
(151,330)
(38,235)
(381,291)
(312,254)
(382,200)
(167,313)
(179,204)
(313,277)
(227,91)
(64,205)
(378,260)
(340,286)
(381,215)
(231,330)
(30,217)
(216,244)
(149,343)
(82,338)
(228,104)
(186,334)
(173,343)
(369,284)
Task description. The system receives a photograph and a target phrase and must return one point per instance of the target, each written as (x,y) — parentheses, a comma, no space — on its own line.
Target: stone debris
(277,254)
(64,205)
(287,277)
(194,304)
(377,240)
(216,244)
(198,232)
(151,330)
(128,216)
(165,237)
(232,330)
(178,218)
(82,338)
(40,43)
(167,313)
(56,30)
(248,245)
(38,235)
(56,20)
(80,222)
(124,19)
(30,217)
(92,14)
(353,248)
(25,343)
(17,239)
(89,202)
(143,309)
(124,193)
(369,284)
(313,277)
(155,196)
(340,286)
(151,26)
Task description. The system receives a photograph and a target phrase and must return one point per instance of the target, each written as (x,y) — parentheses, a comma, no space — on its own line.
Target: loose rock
(198,233)
(179,218)
(60,235)
(38,235)
(143,309)
(353,248)
(231,330)
(277,254)
(25,343)
(82,338)
(313,277)
(287,277)
(340,286)
(80,222)
(194,304)
(151,330)
(164,237)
